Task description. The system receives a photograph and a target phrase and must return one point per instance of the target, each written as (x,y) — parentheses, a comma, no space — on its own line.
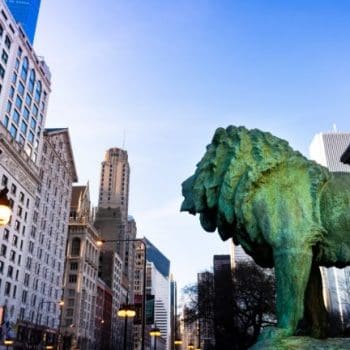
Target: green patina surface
(286,211)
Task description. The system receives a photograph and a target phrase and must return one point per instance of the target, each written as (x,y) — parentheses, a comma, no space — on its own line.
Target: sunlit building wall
(326,149)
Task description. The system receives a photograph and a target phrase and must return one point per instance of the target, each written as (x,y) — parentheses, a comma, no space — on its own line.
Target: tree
(239,315)
(254,302)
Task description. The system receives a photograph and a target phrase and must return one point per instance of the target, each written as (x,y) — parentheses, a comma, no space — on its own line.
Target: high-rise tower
(326,149)
(25,13)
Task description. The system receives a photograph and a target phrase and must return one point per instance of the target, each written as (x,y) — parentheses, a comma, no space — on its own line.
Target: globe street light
(155,333)
(126,311)
(5,207)
(100,243)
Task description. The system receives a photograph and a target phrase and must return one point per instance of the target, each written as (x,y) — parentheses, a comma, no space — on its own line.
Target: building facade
(327,149)
(158,284)
(26,14)
(81,274)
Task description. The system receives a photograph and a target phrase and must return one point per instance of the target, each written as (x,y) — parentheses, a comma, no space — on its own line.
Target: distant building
(158,284)
(81,274)
(237,255)
(223,302)
(26,14)
(206,335)
(327,149)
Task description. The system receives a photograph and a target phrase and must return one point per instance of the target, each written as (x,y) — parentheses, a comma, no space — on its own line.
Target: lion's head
(233,163)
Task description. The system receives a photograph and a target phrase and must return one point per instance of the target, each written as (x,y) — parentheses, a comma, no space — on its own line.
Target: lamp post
(126,311)
(142,241)
(155,333)
(40,305)
(5,207)
(8,342)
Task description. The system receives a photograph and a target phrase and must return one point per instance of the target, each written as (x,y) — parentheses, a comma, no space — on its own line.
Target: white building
(158,284)
(326,149)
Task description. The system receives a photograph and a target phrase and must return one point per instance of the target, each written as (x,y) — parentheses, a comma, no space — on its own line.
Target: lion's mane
(232,166)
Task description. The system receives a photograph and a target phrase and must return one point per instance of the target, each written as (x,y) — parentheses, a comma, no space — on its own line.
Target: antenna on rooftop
(124,136)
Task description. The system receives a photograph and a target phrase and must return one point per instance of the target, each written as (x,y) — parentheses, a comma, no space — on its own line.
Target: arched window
(38,91)
(31,81)
(75,250)
(24,71)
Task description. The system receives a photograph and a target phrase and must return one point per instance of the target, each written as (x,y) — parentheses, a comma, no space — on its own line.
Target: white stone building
(326,149)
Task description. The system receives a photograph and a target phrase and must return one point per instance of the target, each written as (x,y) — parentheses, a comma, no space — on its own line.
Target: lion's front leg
(292,270)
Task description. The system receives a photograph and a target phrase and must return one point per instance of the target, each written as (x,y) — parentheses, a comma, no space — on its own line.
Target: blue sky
(158,77)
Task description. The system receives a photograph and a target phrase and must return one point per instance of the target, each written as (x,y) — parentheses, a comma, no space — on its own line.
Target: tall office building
(114,182)
(158,284)
(26,14)
(327,149)
(30,259)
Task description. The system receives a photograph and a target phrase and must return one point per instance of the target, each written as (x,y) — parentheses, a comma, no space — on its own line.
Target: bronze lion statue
(286,211)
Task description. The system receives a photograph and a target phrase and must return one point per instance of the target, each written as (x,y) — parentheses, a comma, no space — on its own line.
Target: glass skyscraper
(26,13)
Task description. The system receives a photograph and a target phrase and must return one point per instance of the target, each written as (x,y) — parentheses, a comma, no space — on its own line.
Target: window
(33,124)
(7,42)
(5,121)
(2,71)
(26,113)
(35,110)
(8,106)
(7,290)
(21,89)
(3,250)
(4,180)
(28,100)
(12,255)
(38,91)
(24,296)
(75,250)
(13,131)
(14,78)
(15,116)
(31,137)
(6,234)
(18,102)
(72,278)
(15,240)
(74,266)
(31,81)
(13,189)
(4,56)
(24,128)
(24,71)
(10,271)
(12,92)
(1,30)
(26,279)
(1,266)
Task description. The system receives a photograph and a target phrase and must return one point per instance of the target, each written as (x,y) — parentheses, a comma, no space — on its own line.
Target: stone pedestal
(303,343)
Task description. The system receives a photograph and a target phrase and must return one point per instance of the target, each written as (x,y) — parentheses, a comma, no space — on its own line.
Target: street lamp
(5,207)
(126,311)
(40,305)
(155,333)
(8,342)
(142,241)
